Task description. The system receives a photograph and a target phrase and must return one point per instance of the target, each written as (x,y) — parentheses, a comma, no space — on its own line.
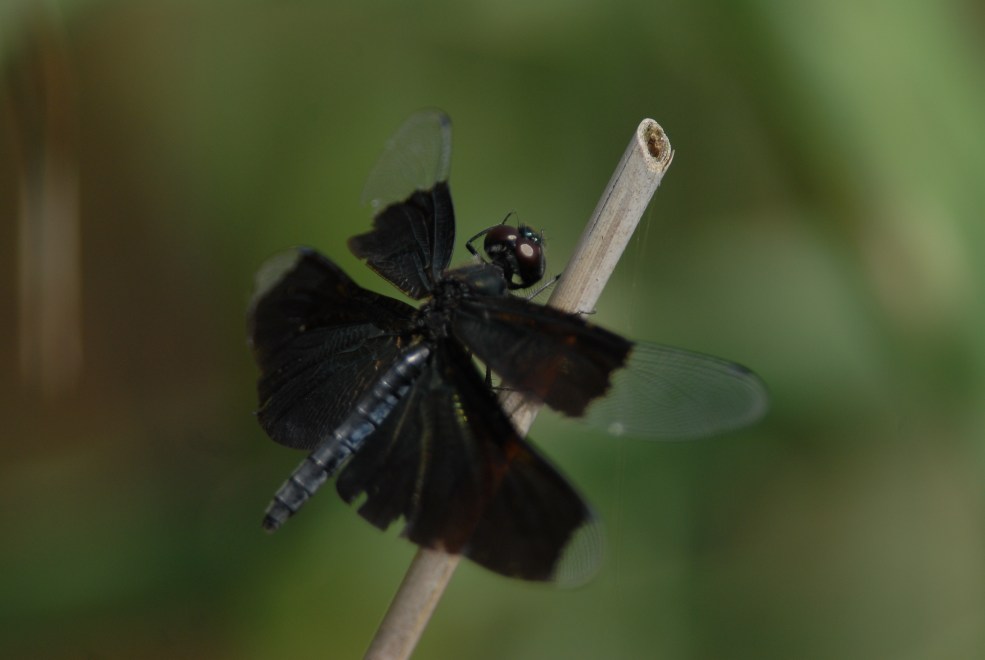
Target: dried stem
(619,210)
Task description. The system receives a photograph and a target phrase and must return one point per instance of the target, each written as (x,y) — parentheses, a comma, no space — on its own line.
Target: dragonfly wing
(413,232)
(671,393)
(450,462)
(320,341)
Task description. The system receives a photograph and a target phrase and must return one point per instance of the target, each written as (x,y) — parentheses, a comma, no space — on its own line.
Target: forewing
(414,225)
(671,393)
(449,462)
(556,357)
(320,341)
(416,156)
(411,241)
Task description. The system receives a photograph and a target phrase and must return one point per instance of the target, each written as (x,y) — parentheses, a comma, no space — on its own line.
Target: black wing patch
(411,242)
(556,357)
(320,340)
(465,482)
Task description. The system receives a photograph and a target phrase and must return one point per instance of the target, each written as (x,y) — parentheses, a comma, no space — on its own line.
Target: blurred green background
(822,223)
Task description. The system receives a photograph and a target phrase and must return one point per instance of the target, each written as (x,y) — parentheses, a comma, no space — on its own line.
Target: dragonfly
(387,396)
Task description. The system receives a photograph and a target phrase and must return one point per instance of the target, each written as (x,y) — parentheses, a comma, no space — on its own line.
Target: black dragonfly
(388,395)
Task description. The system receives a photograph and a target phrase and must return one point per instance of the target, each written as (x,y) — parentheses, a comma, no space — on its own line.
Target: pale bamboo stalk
(619,210)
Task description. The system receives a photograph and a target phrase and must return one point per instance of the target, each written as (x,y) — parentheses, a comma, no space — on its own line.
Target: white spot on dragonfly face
(526,251)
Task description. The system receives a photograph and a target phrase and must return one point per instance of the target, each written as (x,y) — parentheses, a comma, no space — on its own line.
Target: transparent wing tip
(582,557)
(417,156)
(669,393)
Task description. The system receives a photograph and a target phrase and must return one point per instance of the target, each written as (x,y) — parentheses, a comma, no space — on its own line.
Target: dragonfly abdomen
(347,438)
